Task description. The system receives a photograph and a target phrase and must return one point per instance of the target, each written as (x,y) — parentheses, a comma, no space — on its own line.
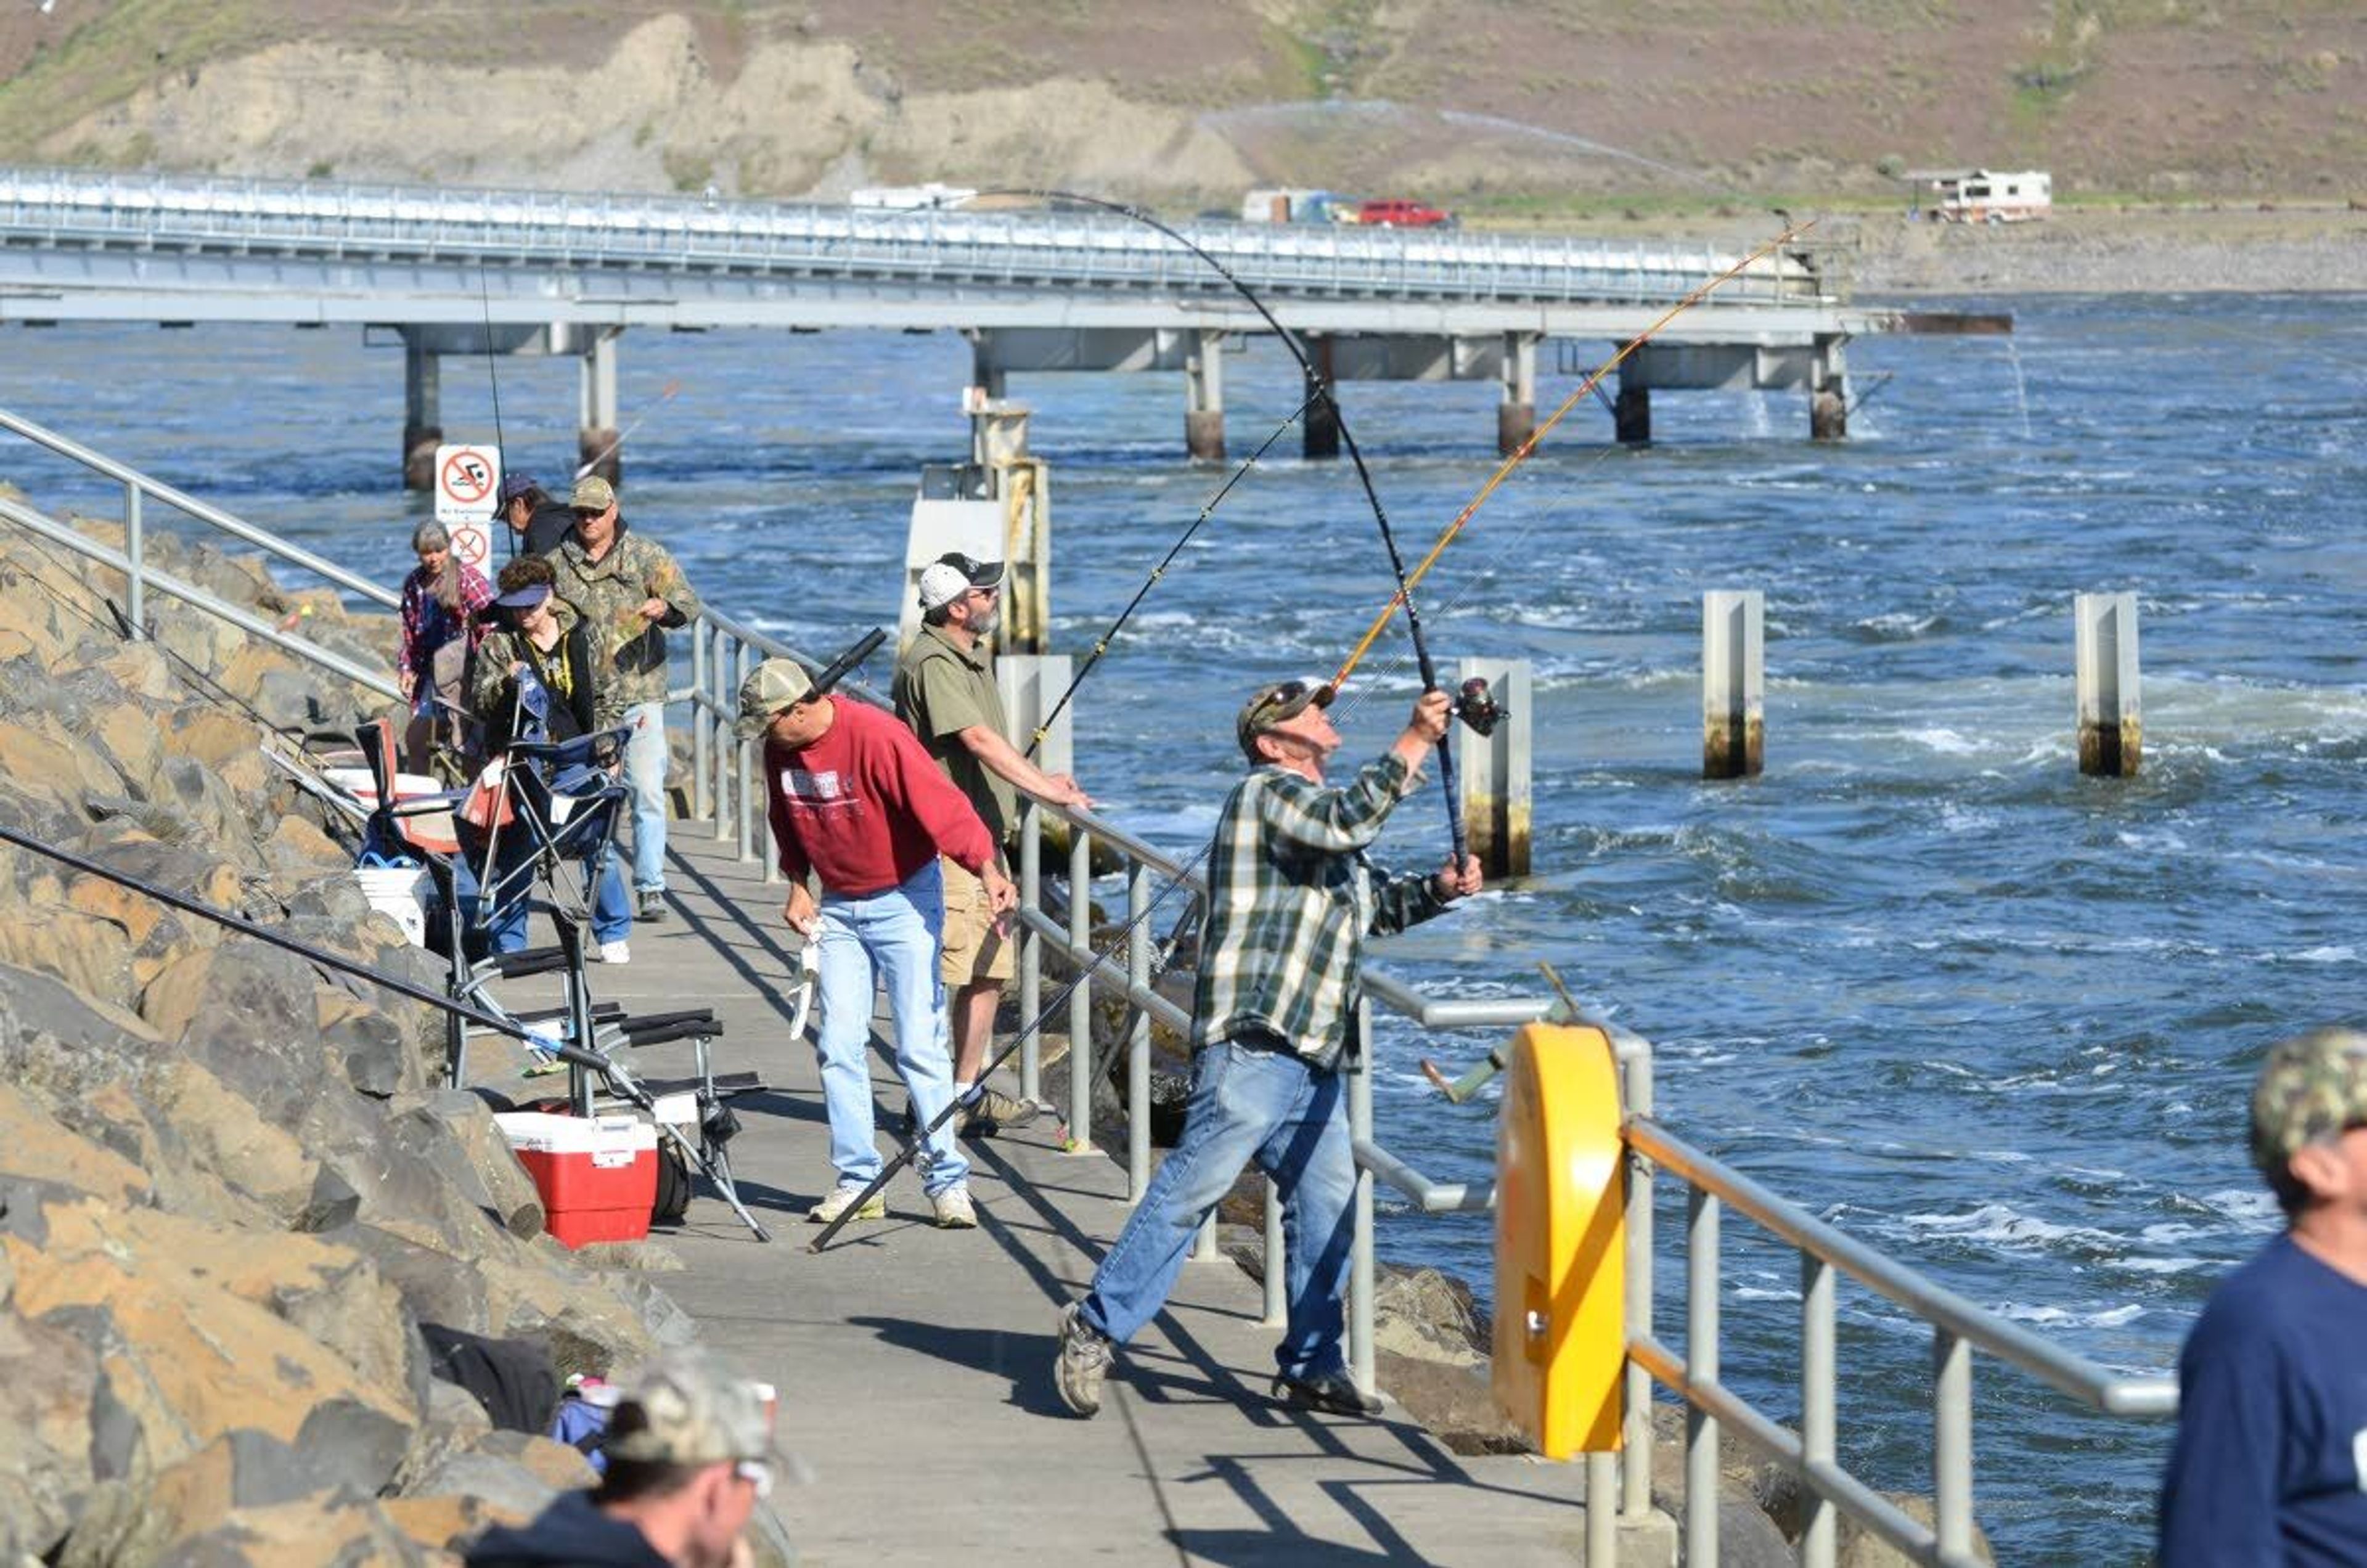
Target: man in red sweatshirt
(856,801)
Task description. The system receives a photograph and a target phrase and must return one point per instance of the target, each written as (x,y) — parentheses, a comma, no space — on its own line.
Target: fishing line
(667,391)
(1102,645)
(1322,384)
(485,298)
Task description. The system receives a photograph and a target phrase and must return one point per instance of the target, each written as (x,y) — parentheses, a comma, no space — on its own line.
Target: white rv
(1984,195)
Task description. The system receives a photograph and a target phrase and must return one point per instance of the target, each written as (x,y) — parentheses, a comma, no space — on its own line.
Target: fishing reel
(1475,706)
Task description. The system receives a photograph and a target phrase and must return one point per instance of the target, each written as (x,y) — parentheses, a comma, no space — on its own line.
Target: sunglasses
(1289,694)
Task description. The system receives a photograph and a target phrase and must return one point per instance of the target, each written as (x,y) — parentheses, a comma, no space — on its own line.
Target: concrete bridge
(469,272)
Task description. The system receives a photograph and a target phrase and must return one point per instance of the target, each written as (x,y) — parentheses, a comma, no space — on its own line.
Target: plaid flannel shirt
(1291,898)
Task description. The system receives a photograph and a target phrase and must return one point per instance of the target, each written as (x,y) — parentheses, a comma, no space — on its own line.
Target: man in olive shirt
(946,691)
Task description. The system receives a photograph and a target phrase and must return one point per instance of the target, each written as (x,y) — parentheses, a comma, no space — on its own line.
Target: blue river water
(1921,977)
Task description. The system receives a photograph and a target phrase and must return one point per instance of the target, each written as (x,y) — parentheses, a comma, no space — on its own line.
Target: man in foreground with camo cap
(2270,1464)
(689,1456)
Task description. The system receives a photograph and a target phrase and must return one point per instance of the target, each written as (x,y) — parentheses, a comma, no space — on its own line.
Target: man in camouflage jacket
(628,591)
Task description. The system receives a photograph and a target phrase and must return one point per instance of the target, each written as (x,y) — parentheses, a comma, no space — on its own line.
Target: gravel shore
(2266,251)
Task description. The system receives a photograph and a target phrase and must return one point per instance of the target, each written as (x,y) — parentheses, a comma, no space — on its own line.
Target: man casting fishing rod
(1292,896)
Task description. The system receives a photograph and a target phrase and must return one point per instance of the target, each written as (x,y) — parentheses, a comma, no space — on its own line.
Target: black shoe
(650,905)
(1334,1394)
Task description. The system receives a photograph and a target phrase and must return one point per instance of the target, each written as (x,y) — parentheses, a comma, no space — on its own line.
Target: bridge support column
(1828,392)
(1318,427)
(1631,414)
(1204,399)
(423,427)
(984,373)
(1517,416)
(597,438)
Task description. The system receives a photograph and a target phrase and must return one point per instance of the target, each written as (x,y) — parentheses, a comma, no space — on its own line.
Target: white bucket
(400,893)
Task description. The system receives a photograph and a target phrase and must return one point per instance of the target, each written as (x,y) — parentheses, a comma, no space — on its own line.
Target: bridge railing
(1011,247)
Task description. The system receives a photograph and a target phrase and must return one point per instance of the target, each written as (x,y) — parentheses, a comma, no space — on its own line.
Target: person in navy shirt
(2271,1464)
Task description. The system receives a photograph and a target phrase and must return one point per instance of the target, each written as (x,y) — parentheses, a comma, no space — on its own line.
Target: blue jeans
(645,770)
(1289,1116)
(896,935)
(612,915)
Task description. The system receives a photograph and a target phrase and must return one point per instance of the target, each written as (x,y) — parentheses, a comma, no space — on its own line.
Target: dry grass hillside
(1515,105)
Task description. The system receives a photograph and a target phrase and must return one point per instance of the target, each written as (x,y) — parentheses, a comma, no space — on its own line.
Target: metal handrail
(2083,1380)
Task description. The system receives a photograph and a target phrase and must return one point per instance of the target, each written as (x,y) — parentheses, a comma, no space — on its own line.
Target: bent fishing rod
(1102,644)
(1521,452)
(1322,387)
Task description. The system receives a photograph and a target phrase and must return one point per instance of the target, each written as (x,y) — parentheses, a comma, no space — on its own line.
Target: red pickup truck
(1401,214)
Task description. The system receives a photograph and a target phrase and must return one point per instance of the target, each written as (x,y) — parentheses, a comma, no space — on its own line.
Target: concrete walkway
(914,1365)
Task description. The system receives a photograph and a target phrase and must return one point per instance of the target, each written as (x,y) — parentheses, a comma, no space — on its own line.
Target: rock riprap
(231,1186)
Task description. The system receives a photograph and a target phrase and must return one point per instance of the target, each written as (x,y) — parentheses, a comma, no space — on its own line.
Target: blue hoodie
(570,1534)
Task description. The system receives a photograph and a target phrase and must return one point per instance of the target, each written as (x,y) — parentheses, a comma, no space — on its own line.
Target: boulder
(1854,1546)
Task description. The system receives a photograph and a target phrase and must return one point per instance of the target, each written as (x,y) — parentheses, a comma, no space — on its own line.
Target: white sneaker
(954,1210)
(616,953)
(839,1200)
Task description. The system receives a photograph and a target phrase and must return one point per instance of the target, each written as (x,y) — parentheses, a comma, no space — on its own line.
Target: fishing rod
(1521,452)
(485,298)
(919,1147)
(1462,1089)
(594,461)
(1102,645)
(1323,386)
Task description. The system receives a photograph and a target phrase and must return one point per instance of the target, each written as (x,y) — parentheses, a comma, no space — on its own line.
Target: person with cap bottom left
(2271,1463)
(946,691)
(854,801)
(689,1453)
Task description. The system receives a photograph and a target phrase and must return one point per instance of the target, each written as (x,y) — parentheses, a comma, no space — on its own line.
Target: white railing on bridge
(1007,247)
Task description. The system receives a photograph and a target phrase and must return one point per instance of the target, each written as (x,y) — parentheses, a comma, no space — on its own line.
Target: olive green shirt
(943,689)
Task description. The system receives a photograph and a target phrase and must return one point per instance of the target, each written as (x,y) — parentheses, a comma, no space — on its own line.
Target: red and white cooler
(597,1174)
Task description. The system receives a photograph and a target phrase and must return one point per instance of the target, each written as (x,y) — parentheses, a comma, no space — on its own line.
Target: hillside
(1543,105)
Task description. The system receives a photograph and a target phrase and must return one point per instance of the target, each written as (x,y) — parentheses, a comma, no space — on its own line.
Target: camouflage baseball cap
(771,686)
(683,1408)
(2310,1088)
(592,493)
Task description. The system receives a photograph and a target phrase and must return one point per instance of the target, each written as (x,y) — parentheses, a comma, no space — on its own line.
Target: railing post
(1816,1426)
(135,550)
(1138,1034)
(1360,1258)
(725,757)
(1031,944)
(1951,1441)
(704,704)
(1080,998)
(1602,1510)
(1636,1470)
(745,755)
(2111,725)
(1701,1367)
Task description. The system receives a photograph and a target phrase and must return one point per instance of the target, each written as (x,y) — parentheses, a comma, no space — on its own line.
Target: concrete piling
(1827,391)
(2111,729)
(423,427)
(596,439)
(1494,771)
(1516,414)
(1320,426)
(1631,413)
(1204,399)
(1733,683)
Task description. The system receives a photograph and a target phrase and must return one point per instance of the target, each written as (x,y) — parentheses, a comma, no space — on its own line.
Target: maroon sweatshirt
(865,806)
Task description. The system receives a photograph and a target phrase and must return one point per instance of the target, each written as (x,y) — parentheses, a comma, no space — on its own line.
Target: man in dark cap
(2271,1464)
(1291,898)
(946,689)
(689,1454)
(538,519)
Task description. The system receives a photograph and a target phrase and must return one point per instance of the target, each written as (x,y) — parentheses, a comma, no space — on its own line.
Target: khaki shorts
(974,952)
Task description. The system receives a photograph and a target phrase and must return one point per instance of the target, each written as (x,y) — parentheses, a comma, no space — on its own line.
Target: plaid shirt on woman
(1291,898)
